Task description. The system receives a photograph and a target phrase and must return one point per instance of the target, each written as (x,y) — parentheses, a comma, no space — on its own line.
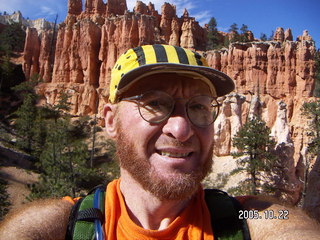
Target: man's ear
(109,113)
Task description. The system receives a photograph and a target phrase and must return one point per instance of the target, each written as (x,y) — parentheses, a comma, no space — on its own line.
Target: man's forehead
(169,82)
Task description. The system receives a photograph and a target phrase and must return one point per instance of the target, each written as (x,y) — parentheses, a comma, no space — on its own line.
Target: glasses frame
(136,99)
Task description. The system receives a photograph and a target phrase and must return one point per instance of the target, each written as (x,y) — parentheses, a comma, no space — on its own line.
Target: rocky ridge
(274,77)
(40,24)
(104,31)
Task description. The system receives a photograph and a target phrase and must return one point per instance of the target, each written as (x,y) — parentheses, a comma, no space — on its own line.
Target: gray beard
(178,186)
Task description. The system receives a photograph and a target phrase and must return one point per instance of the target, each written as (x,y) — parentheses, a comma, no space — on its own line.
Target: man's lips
(175,153)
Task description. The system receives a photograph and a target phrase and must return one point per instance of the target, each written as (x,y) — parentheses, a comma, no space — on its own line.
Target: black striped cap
(139,62)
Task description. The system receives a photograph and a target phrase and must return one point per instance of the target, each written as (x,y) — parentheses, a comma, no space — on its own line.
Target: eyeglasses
(157,106)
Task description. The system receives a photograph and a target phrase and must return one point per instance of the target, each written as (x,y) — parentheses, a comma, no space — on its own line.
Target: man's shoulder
(41,219)
(268,218)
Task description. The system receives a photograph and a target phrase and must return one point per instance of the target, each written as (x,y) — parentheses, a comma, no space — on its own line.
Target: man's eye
(158,105)
(154,103)
(198,107)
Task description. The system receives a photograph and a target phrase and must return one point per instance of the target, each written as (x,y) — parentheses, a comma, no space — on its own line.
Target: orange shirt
(193,223)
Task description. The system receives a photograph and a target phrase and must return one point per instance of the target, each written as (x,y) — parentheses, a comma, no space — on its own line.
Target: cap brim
(221,82)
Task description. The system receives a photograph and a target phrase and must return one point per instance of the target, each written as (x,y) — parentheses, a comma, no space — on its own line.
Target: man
(161,108)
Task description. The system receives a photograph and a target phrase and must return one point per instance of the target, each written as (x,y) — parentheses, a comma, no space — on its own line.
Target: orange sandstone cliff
(274,78)
(89,41)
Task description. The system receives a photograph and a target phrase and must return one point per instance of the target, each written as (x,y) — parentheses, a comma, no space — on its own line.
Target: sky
(259,15)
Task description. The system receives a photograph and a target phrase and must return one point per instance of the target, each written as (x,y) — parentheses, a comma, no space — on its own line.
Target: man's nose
(178,124)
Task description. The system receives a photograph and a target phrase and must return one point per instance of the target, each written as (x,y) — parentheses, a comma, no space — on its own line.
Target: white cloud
(35,9)
(44,10)
(202,17)
(12,5)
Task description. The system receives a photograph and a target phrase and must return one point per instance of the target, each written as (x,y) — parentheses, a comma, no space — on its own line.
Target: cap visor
(222,83)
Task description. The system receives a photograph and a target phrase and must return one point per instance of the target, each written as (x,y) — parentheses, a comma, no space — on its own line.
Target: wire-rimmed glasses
(157,106)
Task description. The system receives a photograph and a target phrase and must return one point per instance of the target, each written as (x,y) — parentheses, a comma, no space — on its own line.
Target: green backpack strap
(81,225)
(224,211)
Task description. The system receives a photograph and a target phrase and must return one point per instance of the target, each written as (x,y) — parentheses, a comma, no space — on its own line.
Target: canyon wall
(273,77)
(89,41)
(40,24)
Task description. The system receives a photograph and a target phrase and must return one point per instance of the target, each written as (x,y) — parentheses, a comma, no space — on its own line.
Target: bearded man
(161,109)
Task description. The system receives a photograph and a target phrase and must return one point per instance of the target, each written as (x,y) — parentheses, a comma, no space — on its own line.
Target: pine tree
(244,33)
(64,159)
(58,145)
(213,35)
(233,30)
(6,67)
(39,133)
(271,36)
(12,37)
(4,199)
(255,156)
(25,124)
(317,74)
(26,115)
(312,111)
(263,37)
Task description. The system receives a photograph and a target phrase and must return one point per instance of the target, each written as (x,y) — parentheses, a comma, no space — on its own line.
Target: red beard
(178,186)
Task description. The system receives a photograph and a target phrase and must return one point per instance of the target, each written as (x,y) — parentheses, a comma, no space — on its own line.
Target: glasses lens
(155,106)
(202,110)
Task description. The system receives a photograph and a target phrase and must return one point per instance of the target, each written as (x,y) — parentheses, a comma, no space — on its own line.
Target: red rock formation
(305,36)
(141,8)
(95,7)
(31,53)
(312,200)
(279,35)
(152,11)
(79,63)
(283,75)
(193,36)
(74,7)
(175,32)
(168,12)
(279,70)
(250,36)
(46,55)
(88,43)
(288,35)
(116,7)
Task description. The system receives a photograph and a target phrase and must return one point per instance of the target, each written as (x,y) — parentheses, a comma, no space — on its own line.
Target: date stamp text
(267,214)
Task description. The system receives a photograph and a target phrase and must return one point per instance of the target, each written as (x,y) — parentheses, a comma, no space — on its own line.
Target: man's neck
(145,209)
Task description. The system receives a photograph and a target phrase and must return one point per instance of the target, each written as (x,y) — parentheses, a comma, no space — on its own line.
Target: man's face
(171,158)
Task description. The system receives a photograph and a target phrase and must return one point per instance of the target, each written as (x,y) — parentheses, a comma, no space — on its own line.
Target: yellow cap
(146,60)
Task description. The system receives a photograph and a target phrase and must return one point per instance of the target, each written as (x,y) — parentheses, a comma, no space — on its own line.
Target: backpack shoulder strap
(224,211)
(85,213)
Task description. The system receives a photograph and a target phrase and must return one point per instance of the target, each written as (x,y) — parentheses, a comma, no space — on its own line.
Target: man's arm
(39,220)
(275,221)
